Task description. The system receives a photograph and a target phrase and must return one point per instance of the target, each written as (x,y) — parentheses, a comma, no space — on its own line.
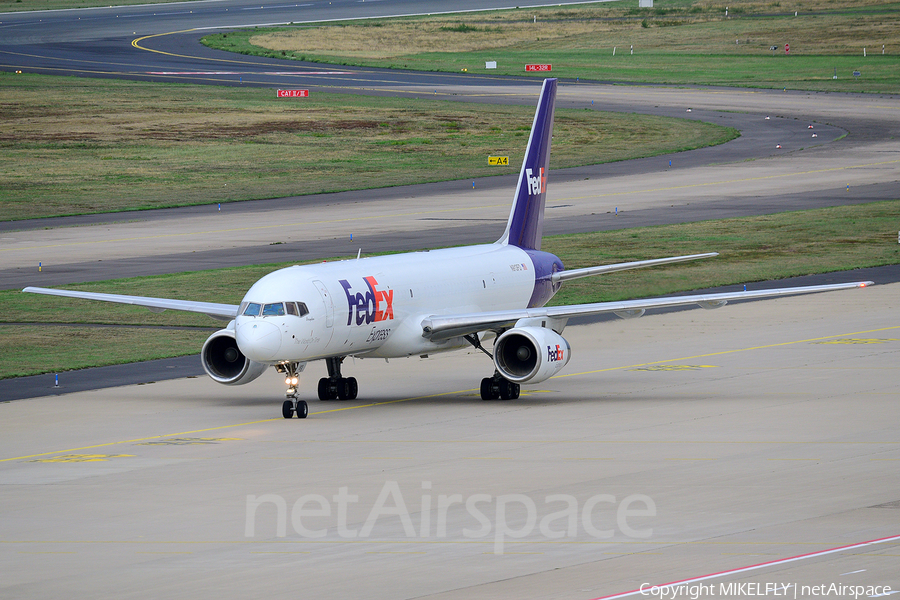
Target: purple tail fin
(526,219)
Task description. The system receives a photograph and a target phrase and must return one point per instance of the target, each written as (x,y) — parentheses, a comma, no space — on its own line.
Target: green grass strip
(77,146)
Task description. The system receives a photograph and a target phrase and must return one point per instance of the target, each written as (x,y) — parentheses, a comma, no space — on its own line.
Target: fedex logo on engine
(536,185)
(554,354)
(370,307)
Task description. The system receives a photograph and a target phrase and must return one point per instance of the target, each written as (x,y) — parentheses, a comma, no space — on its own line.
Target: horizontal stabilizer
(224,312)
(639,264)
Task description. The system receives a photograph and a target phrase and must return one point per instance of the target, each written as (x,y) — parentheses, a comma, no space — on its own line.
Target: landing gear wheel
(326,390)
(343,389)
(287,409)
(489,389)
(508,390)
(302,409)
(495,388)
(334,386)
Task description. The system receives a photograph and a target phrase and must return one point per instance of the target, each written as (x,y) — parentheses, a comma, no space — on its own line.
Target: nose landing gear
(293,405)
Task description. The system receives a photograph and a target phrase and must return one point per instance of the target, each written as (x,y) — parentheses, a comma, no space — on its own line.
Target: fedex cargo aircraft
(422,303)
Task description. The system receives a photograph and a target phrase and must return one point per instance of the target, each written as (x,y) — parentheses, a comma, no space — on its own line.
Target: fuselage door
(329,305)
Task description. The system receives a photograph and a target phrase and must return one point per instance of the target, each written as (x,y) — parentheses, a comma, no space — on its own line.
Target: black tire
(324,389)
(287,409)
(343,389)
(302,409)
(489,389)
(354,388)
(508,389)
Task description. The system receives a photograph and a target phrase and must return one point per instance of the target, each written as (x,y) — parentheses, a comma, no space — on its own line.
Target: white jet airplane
(421,303)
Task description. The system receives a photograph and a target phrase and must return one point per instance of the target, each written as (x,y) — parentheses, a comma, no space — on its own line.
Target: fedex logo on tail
(555,354)
(538,184)
(370,307)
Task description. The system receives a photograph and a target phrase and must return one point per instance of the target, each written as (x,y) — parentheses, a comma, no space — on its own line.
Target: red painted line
(779,561)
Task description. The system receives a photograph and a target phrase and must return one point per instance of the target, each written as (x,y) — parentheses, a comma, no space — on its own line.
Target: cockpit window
(275,309)
(298,309)
(252,310)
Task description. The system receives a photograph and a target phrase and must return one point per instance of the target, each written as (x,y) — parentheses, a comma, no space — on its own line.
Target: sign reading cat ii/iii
(498,161)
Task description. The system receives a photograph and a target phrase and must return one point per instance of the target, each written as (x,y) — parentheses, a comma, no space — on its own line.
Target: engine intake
(224,362)
(530,354)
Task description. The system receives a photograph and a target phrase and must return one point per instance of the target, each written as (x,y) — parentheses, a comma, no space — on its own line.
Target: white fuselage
(375,306)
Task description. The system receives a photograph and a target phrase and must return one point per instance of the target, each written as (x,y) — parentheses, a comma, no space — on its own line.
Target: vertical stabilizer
(526,219)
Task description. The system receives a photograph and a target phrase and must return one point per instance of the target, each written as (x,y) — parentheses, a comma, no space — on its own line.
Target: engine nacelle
(225,363)
(530,354)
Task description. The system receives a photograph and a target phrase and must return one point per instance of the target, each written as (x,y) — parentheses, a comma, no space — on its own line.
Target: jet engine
(225,363)
(530,354)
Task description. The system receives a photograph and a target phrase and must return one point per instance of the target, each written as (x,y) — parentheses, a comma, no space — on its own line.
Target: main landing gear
(335,387)
(496,387)
(293,405)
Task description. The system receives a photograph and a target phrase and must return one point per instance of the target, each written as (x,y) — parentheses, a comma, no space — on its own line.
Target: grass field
(678,42)
(75,146)
(751,249)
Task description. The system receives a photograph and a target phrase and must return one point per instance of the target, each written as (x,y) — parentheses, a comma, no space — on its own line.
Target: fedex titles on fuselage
(373,306)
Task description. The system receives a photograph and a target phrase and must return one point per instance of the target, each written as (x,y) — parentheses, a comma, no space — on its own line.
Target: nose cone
(258,340)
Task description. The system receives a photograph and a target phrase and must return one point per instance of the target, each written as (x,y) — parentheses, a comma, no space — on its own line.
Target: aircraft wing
(441,327)
(224,312)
